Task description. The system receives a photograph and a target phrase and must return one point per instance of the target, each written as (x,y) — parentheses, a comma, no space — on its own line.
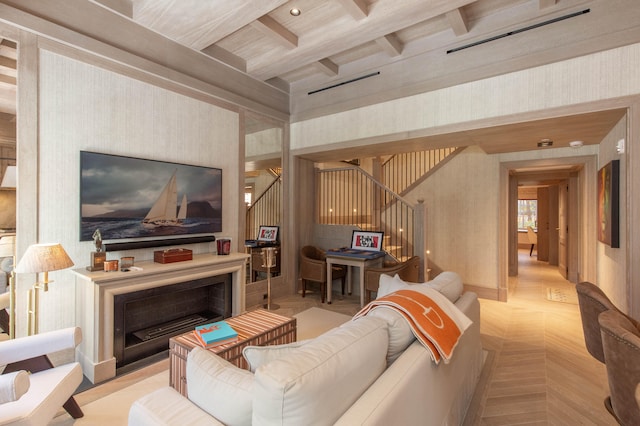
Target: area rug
(101,407)
(562,295)
(108,404)
(315,321)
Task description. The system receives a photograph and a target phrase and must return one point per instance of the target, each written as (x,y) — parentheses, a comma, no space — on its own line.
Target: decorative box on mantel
(172,255)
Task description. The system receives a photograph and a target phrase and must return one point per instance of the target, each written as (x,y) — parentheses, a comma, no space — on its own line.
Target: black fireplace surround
(145,320)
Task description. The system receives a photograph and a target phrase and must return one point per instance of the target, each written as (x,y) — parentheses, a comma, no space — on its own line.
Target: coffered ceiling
(341,54)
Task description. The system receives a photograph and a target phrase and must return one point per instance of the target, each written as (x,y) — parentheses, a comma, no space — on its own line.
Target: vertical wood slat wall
(349,196)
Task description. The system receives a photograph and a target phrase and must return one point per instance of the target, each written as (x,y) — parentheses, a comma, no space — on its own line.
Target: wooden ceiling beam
(390,44)
(328,67)
(7,79)
(279,83)
(270,27)
(458,21)
(8,62)
(123,7)
(358,9)
(543,4)
(199,24)
(226,57)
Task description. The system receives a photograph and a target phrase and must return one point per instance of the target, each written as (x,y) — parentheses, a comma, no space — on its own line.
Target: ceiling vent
(521,30)
(353,80)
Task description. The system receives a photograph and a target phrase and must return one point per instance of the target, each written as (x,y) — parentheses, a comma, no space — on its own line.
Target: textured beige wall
(83,107)
(612,262)
(462,216)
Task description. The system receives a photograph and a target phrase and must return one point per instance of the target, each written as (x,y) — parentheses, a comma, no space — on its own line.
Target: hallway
(542,373)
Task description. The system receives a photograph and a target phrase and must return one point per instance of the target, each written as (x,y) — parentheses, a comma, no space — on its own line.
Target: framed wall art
(133,198)
(609,204)
(371,241)
(268,233)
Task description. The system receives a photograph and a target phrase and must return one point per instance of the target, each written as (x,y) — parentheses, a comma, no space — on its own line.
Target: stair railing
(403,171)
(265,210)
(351,196)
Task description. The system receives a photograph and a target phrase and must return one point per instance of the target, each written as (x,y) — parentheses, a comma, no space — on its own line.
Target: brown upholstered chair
(313,267)
(408,270)
(593,302)
(621,343)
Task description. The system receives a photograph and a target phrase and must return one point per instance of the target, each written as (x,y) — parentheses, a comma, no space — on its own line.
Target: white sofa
(341,377)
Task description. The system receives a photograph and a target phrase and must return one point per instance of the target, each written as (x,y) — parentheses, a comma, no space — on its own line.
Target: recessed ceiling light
(576,144)
(295,12)
(545,142)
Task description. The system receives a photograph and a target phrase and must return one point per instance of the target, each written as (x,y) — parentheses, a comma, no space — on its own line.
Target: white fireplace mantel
(95,293)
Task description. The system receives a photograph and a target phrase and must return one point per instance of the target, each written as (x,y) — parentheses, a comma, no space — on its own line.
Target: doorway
(562,188)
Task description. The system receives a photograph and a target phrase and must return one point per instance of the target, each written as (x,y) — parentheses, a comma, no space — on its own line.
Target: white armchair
(4,316)
(35,399)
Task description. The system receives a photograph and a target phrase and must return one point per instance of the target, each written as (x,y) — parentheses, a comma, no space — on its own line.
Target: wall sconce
(41,258)
(620,146)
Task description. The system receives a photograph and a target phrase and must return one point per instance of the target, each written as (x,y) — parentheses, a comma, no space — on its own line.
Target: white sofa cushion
(219,387)
(13,386)
(166,406)
(320,380)
(448,283)
(258,355)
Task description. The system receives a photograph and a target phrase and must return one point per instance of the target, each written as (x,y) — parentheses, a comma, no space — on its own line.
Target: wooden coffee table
(255,328)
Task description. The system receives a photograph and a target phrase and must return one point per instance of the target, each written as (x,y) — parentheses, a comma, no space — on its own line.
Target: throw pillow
(219,387)
(13,386)
(259,355)
(400,334)
(389,284)
(447,283)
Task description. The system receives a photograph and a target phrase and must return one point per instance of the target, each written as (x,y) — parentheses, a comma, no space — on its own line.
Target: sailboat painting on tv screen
(130,198)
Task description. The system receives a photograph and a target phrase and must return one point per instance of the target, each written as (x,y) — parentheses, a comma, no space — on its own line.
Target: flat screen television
(134,198)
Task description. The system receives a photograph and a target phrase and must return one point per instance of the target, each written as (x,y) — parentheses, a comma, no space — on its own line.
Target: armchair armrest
(41,344)
(13,386)
(5,299)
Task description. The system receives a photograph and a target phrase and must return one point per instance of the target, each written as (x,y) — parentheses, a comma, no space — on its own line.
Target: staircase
(351,196)
(265,210)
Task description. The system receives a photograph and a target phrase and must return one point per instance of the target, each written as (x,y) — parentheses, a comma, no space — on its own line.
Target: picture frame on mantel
(609,204)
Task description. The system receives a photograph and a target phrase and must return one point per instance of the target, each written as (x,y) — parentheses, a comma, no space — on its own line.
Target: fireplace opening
(145,320)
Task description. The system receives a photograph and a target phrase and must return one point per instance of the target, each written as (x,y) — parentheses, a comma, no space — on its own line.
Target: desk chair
(313,267)
(533,238)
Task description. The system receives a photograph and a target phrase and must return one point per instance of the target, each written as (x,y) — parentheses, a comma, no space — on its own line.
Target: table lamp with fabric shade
(41,258)
(9,179)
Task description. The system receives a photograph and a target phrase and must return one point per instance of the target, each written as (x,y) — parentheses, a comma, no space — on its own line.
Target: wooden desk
(258,328)
(350,261)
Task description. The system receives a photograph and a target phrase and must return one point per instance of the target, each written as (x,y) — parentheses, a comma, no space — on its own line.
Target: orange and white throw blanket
(435,321)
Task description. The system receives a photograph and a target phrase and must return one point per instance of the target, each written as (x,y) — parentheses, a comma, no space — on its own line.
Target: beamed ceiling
(342,54)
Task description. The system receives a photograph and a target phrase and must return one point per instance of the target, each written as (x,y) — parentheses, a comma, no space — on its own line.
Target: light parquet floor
(542,373)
